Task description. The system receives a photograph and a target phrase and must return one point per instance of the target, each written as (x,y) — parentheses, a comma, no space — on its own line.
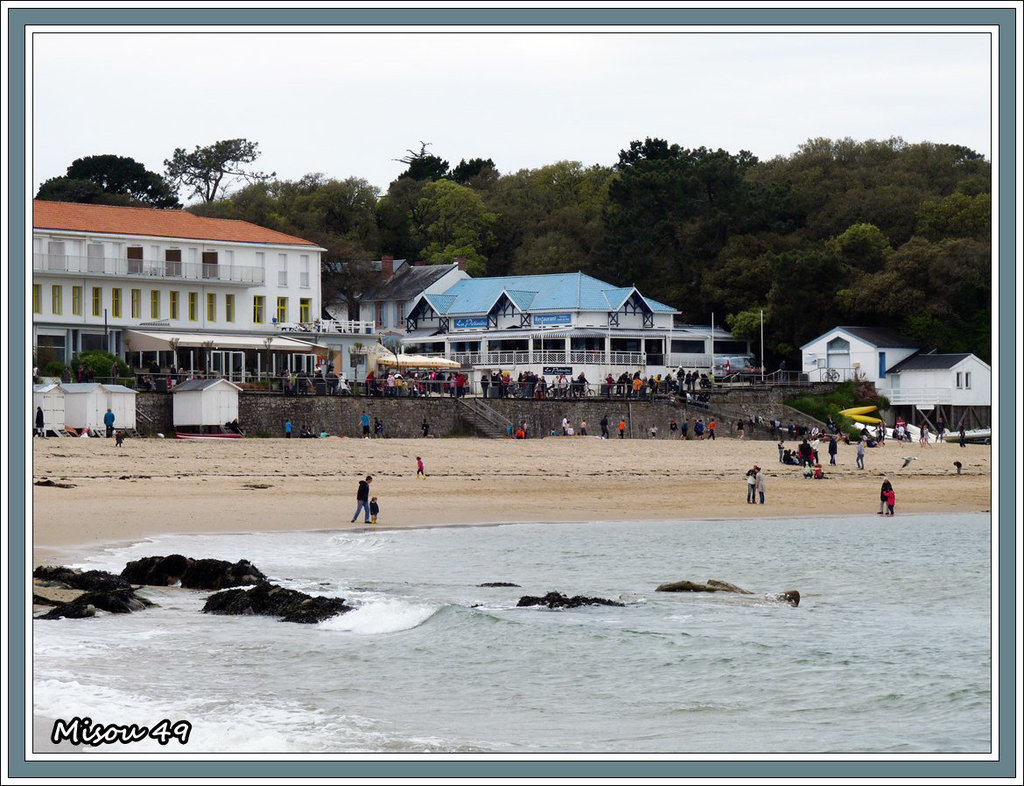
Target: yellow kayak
(857,411)
(865,419)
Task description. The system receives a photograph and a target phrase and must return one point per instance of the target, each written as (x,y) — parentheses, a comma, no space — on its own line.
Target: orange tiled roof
(107,219)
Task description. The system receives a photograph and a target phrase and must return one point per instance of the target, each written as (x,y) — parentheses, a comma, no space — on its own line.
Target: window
(57,298)
(56,259)
(381,315)
(282,309)
(210,264)
(136,304)
(97,301)
(282,270)
(94,252)
(115,302)
(211,307)
(963,380)
(37,298)
(154,304)
(174,304)
(76,301)
(172,262)
(134,259)
(193,306)
(229,308)
(399,312)
(258,304)
(304,271)
(305,309)
(967,380)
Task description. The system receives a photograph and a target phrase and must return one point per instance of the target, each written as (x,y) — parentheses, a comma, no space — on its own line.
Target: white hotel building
(129,280)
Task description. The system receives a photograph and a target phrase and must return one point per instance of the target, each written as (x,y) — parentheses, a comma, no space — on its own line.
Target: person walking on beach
(711,429)
(425,427)
(782,450)
(40,422)
(860,454)
(363,499)
(751,484)
(364,419)
(604,427)
(886,488)
(833,448)
(963,434)
(684,428)
(622,429)
(108,421)
(419,468)
(374,510)
(890,502)
(759,483)
(287,429)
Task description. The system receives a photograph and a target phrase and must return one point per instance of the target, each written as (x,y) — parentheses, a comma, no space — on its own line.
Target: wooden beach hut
(203,408)
(85,404)
(50,397)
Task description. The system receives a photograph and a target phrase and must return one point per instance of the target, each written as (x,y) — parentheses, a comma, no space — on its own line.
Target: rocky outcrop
(274,601)
(497,584)
(211,574)
(556,600)
(715,585)
(122,601)
(89,580)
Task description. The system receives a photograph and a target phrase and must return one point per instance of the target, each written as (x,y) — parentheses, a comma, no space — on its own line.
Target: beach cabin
(203,407)
(953,387)
(85,404)
(51,398)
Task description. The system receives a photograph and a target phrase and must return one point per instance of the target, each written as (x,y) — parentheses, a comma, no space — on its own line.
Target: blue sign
(462,323)
(552,319)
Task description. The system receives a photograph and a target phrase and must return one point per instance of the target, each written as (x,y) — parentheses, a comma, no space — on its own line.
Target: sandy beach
(161,486)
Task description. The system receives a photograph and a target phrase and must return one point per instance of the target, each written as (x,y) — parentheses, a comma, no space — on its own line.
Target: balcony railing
(328,326)
(148,269)
(927,396)
(549,357)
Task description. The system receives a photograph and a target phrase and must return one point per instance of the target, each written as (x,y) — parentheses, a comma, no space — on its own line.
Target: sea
(888,651)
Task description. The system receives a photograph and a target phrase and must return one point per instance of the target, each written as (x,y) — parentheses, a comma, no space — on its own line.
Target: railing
(549,357)
(927,396)
(327,326)
(148,268)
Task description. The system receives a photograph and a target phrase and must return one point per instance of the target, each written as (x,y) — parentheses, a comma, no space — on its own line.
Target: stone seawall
(263,414)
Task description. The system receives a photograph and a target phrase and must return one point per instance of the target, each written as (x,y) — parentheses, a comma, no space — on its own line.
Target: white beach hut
(204,406)
(85,404)
(51,398)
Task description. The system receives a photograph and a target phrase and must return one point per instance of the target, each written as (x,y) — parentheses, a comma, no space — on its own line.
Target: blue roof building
(561,323)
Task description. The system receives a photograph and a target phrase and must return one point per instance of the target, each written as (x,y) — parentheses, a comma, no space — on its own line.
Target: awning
(146,341)
(420,334)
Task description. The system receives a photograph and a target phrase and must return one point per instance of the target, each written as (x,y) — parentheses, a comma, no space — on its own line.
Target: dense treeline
(841,232)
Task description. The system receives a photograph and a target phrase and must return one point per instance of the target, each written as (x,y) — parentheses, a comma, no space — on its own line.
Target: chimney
(387,266)
(461,262)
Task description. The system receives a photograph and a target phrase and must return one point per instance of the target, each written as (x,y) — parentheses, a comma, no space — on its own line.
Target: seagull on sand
(907,460)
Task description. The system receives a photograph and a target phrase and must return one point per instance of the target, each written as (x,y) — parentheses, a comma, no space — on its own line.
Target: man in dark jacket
(363,499)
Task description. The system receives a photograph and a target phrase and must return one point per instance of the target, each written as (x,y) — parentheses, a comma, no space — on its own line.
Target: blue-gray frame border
(412,767)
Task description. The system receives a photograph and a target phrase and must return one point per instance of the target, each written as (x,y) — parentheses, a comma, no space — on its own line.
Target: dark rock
(497,584)
(212,574)
(274,601)
(89,580)
(789,596)
(54,483)
(725,586)
(122,601)
(39,600)
(686,586)
(556,600)
(217,573)
(156,571)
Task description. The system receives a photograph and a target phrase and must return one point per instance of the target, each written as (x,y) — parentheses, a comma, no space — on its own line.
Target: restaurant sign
(556,370)
(552,319)
(463,323)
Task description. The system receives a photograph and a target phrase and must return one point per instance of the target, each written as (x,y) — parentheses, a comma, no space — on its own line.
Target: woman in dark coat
(886,486)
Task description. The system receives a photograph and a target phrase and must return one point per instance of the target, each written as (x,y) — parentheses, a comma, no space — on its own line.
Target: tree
(453,222)
(863,246)
(207,171)
(110,179)
(423,166)
(466,172)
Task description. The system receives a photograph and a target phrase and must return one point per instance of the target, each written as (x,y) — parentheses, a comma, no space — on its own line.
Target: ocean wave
(381,616)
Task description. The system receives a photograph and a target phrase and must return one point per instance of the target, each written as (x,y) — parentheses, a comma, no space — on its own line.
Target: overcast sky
(348,104)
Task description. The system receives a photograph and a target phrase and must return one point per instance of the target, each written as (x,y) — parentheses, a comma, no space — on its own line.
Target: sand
(162,486)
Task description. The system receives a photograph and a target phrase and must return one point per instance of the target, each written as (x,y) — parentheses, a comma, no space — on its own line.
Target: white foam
(381,616)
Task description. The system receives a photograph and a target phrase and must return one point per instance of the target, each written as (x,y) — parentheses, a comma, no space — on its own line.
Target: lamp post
(762,346)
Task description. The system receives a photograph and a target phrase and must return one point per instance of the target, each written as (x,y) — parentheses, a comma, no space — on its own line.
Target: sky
(348,104)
